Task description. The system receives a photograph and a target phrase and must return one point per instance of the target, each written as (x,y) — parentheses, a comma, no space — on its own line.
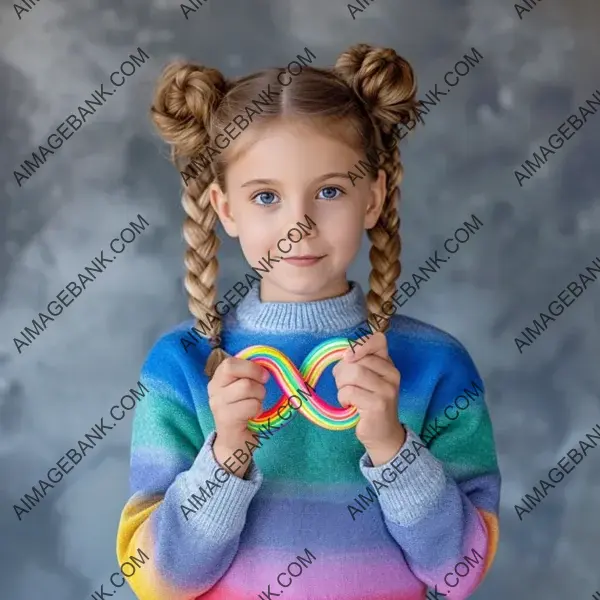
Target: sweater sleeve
(184,512)
(442,506)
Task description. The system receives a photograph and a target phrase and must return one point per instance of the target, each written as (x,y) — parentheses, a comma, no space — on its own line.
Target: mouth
(303,261)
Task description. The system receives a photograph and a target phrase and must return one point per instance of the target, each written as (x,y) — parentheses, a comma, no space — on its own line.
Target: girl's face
(282,174)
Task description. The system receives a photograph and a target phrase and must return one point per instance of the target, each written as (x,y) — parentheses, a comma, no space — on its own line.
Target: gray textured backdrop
(535,239)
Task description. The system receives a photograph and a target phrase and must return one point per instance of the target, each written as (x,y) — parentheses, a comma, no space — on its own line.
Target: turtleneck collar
(318,316)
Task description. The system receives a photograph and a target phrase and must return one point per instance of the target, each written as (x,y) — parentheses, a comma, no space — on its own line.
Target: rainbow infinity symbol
(291,382)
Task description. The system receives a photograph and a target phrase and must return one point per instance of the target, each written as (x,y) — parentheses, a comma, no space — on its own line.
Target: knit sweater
(312,518)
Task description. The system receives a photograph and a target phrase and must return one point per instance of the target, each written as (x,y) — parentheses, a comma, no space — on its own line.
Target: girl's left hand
(368,380)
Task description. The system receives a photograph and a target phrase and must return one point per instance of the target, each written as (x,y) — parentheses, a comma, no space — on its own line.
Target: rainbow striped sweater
(312,519)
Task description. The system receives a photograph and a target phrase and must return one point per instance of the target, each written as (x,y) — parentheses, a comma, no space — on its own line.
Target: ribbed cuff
(223,514)
(417,485)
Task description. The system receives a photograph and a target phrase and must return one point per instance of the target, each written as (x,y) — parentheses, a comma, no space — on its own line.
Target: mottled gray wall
(535,71)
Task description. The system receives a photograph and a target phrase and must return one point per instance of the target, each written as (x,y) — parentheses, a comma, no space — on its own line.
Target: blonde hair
(370,90)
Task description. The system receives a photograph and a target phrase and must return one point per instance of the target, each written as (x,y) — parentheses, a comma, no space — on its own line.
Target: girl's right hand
(235,395)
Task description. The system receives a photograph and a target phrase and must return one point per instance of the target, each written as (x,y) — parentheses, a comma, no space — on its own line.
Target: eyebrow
(320,178)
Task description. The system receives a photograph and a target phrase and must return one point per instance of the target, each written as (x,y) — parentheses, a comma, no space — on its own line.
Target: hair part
(371,89)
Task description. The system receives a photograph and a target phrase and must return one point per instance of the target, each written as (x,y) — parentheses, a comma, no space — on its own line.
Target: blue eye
(266,198)
(329,192)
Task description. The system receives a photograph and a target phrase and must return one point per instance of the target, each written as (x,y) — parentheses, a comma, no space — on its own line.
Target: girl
(408,498)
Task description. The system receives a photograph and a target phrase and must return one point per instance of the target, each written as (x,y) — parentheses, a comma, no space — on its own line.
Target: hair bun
(382,79)
(186,95)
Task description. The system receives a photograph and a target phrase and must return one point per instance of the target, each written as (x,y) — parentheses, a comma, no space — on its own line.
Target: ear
(221,205)
(377,190)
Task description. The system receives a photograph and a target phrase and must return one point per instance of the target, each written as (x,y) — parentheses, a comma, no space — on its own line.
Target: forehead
(283,145)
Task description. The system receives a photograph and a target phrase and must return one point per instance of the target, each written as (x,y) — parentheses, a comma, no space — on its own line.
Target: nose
(301,227)
(301,217)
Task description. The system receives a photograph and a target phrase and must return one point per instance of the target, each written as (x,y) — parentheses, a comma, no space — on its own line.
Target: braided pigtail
(185,99)
(386,84)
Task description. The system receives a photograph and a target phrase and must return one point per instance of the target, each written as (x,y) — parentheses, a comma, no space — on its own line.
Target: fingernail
(265,376)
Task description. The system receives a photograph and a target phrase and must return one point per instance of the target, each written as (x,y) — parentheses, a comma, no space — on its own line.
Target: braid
(202,267)
(385,84)
(185,99)
(385,240)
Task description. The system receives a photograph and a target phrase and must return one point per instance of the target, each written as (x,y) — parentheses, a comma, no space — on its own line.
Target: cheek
(355,218)
(347,245)
(254,227)
(346,234)
(254,238)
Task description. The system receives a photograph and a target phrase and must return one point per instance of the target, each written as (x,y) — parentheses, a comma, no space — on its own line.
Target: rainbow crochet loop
(291,381)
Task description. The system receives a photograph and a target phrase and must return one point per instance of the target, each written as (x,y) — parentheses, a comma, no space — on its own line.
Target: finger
(385,368)
(375,344)
(363,401)
(346,396)
(233,368)
(354,396)
(359,376)
(240,390)
(248,408)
